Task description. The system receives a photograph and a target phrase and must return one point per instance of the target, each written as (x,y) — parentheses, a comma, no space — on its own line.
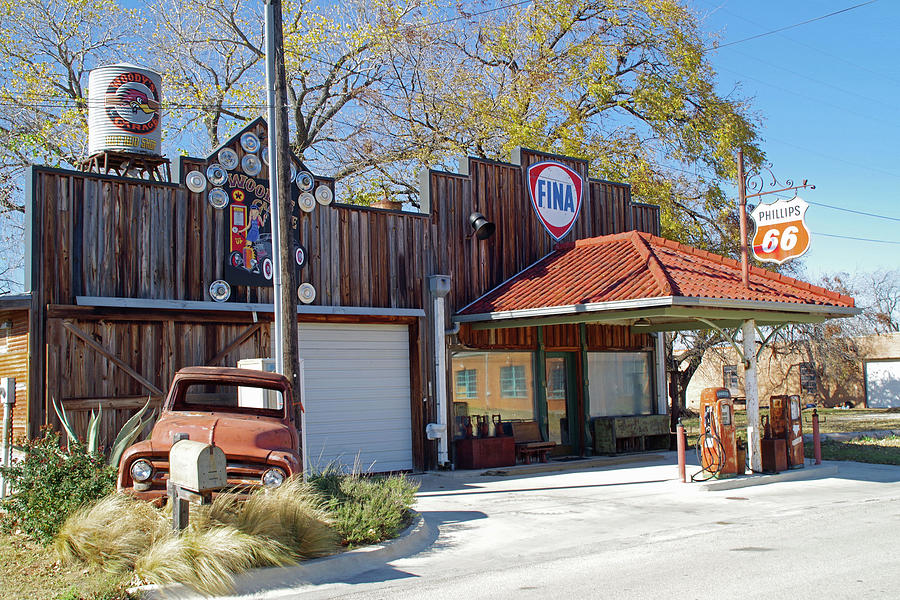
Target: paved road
(633,532)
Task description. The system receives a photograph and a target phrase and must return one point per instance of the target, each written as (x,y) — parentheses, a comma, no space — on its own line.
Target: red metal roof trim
(633,265)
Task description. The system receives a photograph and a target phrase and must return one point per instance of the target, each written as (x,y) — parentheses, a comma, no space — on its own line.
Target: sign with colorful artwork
(250,249)
(781,232)
(556,195)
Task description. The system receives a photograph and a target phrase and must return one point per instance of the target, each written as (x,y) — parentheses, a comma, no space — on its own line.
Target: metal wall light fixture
(483,228)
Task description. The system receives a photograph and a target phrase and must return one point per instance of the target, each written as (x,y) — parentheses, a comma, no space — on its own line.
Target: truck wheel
(237,259)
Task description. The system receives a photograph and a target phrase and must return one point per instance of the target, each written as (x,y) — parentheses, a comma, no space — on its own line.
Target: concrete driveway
(633,531)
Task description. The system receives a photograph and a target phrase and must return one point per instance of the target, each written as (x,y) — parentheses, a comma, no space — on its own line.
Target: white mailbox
(196,466)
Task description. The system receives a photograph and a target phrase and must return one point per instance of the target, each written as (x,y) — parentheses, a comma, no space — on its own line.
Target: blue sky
(827,93)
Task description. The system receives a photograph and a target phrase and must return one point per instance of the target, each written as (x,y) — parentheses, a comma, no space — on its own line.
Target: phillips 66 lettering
(781,232)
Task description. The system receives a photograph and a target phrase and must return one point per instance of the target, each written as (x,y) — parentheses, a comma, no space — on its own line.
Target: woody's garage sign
(781,232)
(555,191)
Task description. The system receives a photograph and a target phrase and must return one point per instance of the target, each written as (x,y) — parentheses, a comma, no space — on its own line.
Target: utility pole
(748,327)
(742,195)
(286,333)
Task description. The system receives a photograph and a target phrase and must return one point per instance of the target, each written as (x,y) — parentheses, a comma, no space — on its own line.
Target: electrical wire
(856,212)
(858,239)
(786,27)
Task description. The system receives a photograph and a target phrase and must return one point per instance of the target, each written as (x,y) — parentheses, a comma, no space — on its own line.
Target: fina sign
(781,232)
(555,195)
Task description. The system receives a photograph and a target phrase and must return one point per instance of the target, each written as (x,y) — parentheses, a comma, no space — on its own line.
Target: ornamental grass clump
(111,534)
(271,527)
(293,514)
(208,559)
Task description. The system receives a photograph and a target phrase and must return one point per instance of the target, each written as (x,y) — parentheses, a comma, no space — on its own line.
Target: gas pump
(717,445)
(786,424)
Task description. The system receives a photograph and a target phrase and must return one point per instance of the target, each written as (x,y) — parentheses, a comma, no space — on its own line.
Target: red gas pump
(787,425)
(717,445)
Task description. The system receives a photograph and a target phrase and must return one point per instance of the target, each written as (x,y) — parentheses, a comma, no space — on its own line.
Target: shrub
(366,510)
(50,483)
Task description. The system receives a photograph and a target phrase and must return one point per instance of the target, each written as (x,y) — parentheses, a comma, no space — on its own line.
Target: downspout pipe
(439,286)
(8,399)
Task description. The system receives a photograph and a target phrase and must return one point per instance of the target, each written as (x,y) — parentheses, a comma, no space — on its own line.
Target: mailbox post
(196,470)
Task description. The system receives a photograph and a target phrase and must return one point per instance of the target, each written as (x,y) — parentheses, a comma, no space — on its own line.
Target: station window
(730,378)
(620,383)
(467,384)
(492,383)
(809,382)
(556,381)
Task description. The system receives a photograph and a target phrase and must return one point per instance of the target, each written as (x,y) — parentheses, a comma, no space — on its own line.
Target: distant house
(872,379)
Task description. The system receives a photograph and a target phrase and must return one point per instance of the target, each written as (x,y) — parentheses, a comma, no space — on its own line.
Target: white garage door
(883,384)
(357,398)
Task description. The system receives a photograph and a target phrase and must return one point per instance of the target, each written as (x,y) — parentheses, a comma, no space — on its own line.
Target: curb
(807,472)
(596,462)
(257,582)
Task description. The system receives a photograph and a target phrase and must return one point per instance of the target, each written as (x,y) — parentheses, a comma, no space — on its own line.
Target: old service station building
(415,332)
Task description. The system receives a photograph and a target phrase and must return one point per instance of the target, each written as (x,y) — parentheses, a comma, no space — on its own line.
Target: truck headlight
(141,470)
(272,478)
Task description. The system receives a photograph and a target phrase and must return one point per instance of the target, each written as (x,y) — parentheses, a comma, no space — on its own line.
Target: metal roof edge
(570,309)
(15,301)
(150,303)
(765,305)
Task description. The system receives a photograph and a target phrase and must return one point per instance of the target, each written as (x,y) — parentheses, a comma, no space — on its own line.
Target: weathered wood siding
(498,190)
(117,237)
(14,363)
(556,338)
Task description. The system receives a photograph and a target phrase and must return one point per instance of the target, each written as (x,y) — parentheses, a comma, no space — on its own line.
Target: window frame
(518,379)
(469,388)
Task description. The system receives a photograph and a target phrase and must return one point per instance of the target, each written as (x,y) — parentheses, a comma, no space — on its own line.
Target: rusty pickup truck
(249,414)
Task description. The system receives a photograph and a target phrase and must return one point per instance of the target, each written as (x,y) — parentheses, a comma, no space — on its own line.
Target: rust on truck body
(254,439)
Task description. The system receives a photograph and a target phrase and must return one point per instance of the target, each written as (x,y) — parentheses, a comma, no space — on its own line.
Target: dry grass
(292,514)
(208,559)
(271,528)
(30,570)
(111,534)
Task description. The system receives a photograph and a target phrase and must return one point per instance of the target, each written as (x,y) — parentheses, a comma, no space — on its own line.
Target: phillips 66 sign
(781,232)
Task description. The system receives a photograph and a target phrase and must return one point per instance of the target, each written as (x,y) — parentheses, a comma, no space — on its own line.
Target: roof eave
(662,307)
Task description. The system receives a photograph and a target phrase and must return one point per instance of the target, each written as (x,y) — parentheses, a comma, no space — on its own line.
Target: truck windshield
(226,397)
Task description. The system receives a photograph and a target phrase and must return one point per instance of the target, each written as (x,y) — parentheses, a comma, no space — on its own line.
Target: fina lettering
(559,195)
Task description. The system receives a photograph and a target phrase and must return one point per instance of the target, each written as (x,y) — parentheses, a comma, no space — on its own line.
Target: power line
(474,14)
(858,239)
(786,27)
(850,210)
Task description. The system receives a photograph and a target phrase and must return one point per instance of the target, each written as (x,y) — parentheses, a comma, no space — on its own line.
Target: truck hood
(236,435)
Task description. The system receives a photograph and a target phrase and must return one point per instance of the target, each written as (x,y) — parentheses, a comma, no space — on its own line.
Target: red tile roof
(633,265)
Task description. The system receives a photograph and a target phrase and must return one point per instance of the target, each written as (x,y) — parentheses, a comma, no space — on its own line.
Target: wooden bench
(528,441)
(637,433)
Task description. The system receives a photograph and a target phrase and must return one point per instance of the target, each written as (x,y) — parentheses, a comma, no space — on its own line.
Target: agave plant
(125,437)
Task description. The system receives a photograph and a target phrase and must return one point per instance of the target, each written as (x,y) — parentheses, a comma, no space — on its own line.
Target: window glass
(467,383)
(620,383)
(491,383)
(808,380)
(730,379)
(512,382)
(230,398)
